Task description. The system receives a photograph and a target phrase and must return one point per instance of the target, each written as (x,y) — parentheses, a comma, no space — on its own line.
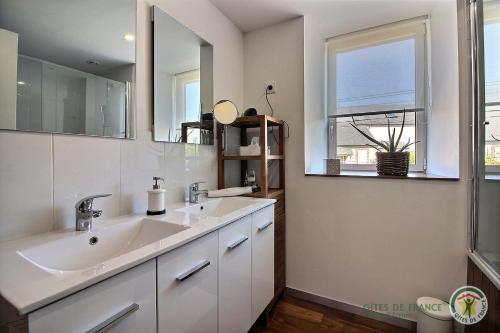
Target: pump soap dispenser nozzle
(156,179)
(156,198)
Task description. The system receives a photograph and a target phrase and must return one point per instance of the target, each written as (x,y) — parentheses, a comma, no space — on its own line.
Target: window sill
(492,176)
(373,174)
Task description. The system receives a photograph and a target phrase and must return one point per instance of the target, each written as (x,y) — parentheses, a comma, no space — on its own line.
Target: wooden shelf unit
(263,122)
(207,125)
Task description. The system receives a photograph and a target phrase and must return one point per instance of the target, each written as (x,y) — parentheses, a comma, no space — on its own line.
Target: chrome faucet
(194,192)
(85,213)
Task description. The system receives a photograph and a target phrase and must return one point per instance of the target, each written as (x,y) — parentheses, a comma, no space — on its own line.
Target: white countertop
(28,287)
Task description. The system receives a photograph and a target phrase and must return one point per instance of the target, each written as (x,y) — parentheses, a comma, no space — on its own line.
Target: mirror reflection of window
(187,105)
(192,100)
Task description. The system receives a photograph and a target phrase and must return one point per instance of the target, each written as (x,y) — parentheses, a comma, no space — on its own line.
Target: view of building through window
(352,148)
(492,84)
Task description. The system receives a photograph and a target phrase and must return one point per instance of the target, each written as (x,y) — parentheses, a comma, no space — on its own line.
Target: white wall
(443,129)
(315,127)
(355,240)
(43,175)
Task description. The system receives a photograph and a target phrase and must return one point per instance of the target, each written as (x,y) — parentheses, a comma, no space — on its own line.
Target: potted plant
(392,160)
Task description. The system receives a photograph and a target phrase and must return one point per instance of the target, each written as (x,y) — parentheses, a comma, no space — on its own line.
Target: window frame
(417,28)
(179,91)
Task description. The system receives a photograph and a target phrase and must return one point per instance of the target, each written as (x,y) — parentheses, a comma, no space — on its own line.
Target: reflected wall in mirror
(68,66)
(486,227)
(183,83)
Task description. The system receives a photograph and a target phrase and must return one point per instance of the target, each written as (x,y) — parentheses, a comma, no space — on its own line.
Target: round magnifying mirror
(225,112)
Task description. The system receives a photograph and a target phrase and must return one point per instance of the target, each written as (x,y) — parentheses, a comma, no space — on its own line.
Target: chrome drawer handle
(237,243)
(193,270)
(113,320)
(264,226)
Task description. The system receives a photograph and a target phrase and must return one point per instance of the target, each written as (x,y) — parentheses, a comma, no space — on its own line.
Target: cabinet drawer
(235,259)
(262,260)
(128,297)
(187,287)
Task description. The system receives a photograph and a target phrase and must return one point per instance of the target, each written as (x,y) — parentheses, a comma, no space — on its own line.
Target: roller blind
(375,70)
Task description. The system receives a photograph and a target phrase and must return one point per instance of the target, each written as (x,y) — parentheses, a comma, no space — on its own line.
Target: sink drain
(201,208)
(93,240)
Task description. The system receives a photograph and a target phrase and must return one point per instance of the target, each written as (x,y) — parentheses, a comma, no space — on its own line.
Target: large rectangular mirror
(68,66)
(183,83)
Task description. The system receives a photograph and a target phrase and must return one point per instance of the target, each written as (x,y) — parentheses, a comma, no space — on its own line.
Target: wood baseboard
(404,323)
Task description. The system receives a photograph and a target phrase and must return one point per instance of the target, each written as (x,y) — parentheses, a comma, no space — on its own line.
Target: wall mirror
(183,83)
(68,66)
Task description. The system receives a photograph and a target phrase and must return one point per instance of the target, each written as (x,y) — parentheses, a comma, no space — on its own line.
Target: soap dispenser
(156,198)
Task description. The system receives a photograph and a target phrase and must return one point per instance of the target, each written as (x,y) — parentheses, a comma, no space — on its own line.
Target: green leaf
(392,146)
(389,130)
(407,145)
(401,130)
(373,146)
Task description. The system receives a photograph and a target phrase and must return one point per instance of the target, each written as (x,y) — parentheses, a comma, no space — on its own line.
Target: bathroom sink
(218,207)
(83,250)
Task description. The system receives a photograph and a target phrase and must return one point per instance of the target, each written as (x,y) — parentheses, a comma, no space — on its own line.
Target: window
(376,77)
(192,100)
(187,103)
(492,86)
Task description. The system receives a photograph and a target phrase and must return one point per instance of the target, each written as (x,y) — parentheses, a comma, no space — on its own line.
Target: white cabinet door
(125,303)
(235,259)
(262,260)
(187,287)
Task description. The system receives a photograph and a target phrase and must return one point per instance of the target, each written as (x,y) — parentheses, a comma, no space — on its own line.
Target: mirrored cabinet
(68,67)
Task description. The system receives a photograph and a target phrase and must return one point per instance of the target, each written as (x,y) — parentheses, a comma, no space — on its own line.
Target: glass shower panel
(58,99)
(29,94)
(114,122)
(487,224)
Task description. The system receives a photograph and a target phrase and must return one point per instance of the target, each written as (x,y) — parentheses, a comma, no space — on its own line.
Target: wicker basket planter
(393,164)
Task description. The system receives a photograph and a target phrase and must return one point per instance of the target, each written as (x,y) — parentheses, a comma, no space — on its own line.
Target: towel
(230,192)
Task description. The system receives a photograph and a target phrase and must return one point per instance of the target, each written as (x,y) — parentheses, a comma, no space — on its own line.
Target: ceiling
(71,32)
(342,15)
(249,15)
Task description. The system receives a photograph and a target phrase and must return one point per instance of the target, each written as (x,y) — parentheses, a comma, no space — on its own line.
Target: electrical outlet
(270,87)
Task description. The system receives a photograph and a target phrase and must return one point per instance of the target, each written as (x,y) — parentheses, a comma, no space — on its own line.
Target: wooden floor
(292,315)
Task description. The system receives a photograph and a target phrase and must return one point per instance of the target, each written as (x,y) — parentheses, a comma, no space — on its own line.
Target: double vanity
(202,267)
(206,267)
